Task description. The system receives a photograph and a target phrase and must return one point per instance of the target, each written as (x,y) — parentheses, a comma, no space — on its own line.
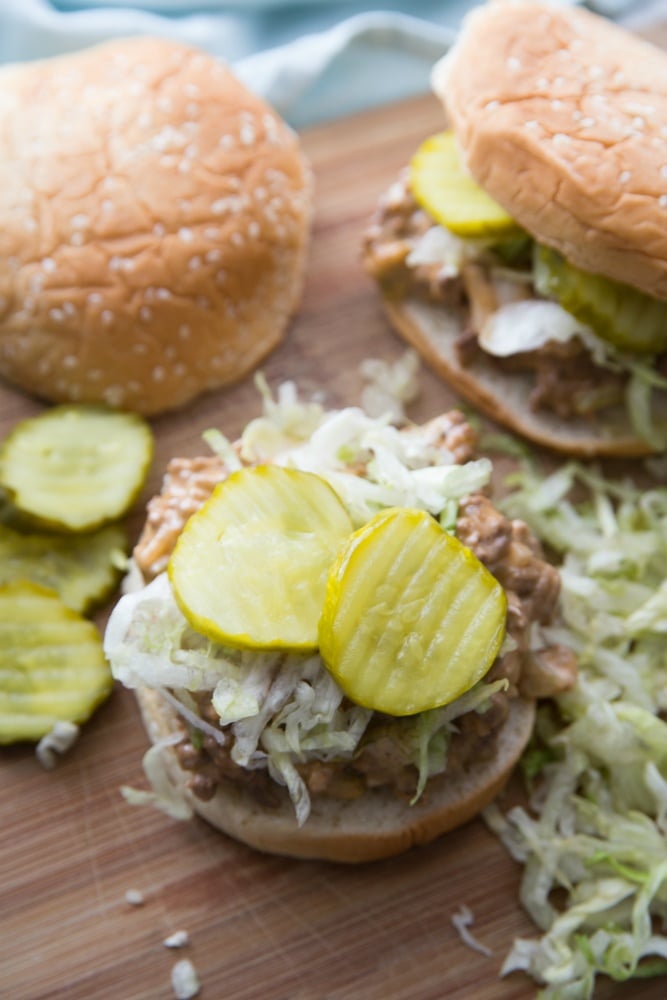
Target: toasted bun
(504,396)
(377,826)
(153,225)
(560,116)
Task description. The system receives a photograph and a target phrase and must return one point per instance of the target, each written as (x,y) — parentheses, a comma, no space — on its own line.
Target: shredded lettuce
(595,828)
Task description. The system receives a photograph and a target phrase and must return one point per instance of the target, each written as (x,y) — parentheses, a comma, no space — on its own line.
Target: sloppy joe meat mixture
(566,380)
(509,551)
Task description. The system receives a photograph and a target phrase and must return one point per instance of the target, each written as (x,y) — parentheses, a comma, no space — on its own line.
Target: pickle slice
(621,315)
(52,666)
(250,568)
(412,619)
(449,194)
(75,467)
(82,569)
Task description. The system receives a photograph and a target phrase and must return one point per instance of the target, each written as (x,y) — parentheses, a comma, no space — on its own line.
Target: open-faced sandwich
(335,638)
(524,249)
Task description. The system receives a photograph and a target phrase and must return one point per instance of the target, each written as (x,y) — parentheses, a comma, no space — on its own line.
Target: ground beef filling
(566,379)
(382,760)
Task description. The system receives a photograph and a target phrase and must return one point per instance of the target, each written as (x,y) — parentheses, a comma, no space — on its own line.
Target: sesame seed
(192,109)
(556,105)
(77,239)
(203,302)
(212,256)
(513,63)
(168,160)
(179,369)
(253,230)
(588,122)
(158,229)
(541,83)
(57,315)
(638,122)
(247,134)
(184,167)
(663,171)
(185,234)
(94,298)
(29,225)
(237,239)
(107,316)
(69,309)
(191,151)
(260,193)
(184,331)
(491,105)
(114,396)
(79,221)
(70,361)
(164,104)
(662,201)
(163,294)
(191,90)
(49,265)
(220,277)
(227,141)
(107,205)
(194,263)
(139,347)
(146,313)
(158,373)
(624,177)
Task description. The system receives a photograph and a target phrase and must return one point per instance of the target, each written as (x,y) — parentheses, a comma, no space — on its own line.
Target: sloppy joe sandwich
(523,251)
(154,217)
(335,638)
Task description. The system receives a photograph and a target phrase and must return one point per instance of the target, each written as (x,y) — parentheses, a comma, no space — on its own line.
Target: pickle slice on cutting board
(621,315)
(249,569)
(442,186)
(83,569)
(52,665)
(412,619)
(75,467)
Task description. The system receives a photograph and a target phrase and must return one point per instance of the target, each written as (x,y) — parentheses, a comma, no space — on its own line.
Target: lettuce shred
(594,833)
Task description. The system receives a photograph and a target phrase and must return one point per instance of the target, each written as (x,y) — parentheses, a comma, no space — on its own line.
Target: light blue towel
(313,60)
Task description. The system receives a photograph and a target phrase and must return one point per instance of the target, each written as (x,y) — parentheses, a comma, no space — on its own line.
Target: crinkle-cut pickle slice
(250,568)
(442,187)
(76,467)
(52,665)
(82,569)
(617,313)
(412,619)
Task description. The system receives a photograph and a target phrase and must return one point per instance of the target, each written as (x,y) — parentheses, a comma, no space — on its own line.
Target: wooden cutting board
(258,926)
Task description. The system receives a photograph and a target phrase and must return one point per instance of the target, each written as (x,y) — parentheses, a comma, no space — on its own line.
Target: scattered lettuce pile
(594,840)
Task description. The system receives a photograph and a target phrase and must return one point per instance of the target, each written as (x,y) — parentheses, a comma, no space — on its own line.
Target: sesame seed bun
(154,218)
(377,825)
(561,117)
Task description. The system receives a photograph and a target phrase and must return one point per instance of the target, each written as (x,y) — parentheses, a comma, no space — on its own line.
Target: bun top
(562,117)
(153,225)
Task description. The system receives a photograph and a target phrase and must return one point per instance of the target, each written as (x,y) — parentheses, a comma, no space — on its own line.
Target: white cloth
(313,60)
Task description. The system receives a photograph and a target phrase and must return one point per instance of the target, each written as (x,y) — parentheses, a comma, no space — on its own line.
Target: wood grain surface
(259,927)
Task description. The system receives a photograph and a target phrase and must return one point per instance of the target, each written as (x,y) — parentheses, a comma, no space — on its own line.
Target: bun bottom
(377,826)
(504,396)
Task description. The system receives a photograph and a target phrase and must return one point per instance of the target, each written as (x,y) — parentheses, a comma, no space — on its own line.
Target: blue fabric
(313,60)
